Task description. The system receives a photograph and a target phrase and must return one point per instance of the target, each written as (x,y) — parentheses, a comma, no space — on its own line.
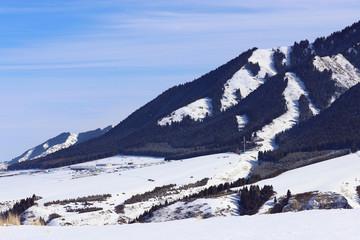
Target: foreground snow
(326,224)
(340,175)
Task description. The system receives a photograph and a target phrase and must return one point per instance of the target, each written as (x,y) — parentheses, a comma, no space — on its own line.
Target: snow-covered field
(340,175)
(61,185)
(132,175)
(326,224)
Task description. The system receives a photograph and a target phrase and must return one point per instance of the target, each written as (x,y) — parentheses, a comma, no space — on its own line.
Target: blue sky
(76,65)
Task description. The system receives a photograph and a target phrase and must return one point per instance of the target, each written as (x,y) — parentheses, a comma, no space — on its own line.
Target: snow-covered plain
(326,224)
(340,175)
(143,174)
(135,181)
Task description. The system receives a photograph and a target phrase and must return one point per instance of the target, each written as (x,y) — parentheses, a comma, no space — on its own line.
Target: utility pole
(244,143)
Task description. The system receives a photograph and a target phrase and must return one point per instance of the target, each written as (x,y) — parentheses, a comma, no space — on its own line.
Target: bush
(92,198)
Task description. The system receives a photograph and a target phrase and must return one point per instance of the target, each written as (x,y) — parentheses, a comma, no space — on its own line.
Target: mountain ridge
(250,86)
(61,141)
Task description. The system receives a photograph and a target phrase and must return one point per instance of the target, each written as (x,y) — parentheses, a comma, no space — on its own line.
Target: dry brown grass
(11,220)
(37,222)
(14,220)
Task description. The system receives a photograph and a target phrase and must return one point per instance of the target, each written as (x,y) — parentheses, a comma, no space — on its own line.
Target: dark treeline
(252,198)
(207,192)
(253,67)
(338,127)
(156,192)
(338,42)
(278,207)
(319,84)
(19,207)
(305,112)
(91,198)
(84,210)
(278,58)
(273,163)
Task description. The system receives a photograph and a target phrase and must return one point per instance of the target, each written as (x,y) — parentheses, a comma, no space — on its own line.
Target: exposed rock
(316,200)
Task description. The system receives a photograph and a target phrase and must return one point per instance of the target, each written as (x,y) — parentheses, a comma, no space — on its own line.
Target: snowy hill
(63,140)
(112,181)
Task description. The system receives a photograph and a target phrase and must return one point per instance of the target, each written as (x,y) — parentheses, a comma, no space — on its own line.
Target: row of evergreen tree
(252,198)
(207,192)
(19,207)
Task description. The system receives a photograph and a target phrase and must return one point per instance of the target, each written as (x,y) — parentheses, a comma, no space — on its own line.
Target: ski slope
(197,111)
(244,81)
(343,72)
(294,89)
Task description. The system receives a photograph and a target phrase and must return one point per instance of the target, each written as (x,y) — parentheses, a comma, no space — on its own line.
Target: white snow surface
(223,206)
(26,156)
(197,110)
(242,120)
(340,175)
(312,225)
(244,80)
(71,140)
(3,166)
(144,174)
(343,72)
(286,51)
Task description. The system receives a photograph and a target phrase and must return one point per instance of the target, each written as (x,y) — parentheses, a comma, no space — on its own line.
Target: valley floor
(325,224)
(131,175)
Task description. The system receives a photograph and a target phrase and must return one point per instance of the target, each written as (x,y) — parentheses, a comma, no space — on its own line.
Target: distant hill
(61,141)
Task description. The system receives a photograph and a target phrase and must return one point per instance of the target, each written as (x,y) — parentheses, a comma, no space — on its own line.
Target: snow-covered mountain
(62,141)
(297,108)
(261,93)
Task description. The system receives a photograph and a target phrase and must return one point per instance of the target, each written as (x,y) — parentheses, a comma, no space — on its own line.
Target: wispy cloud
(154,37)
(53,53)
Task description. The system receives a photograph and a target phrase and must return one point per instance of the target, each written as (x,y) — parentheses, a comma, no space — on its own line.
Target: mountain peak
(61,141)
